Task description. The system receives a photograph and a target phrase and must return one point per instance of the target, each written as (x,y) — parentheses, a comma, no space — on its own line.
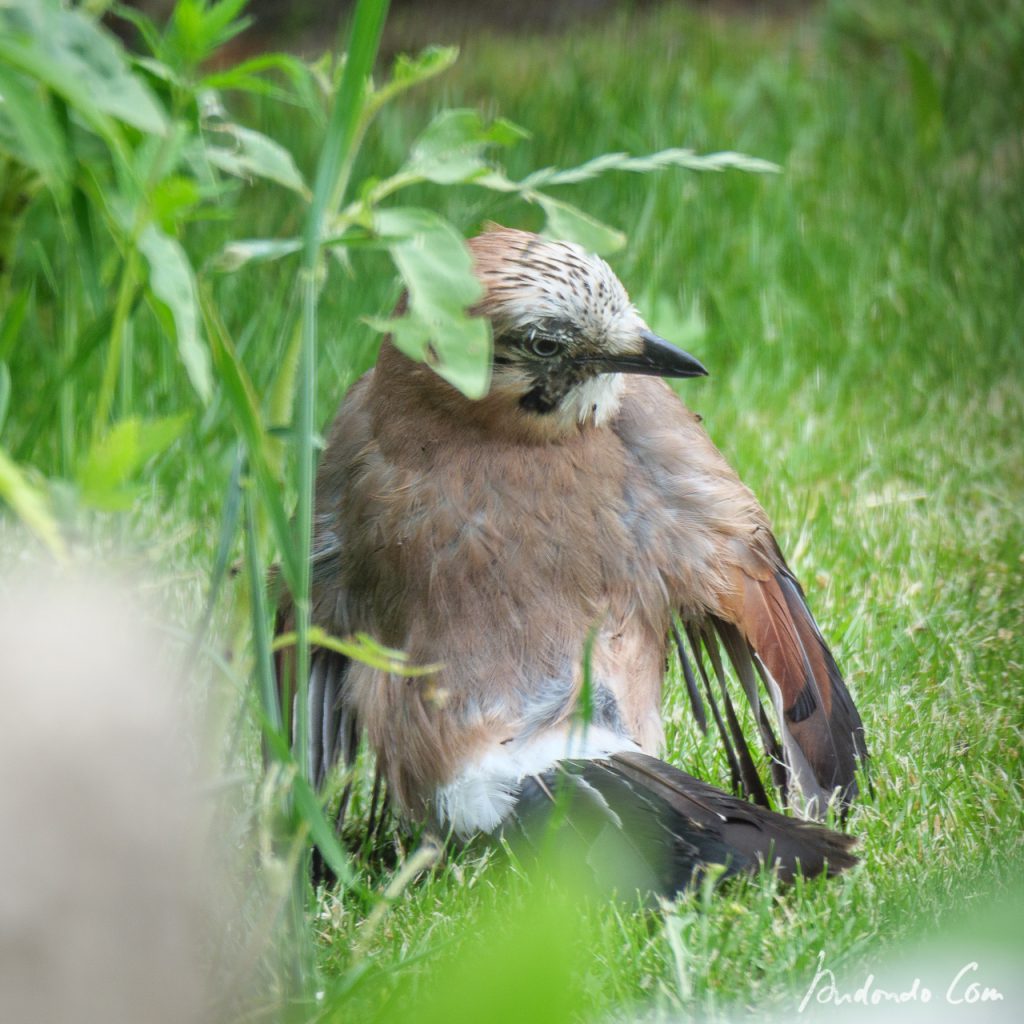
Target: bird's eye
(544,347)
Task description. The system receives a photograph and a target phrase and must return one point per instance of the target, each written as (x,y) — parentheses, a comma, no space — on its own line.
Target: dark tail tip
(637,823)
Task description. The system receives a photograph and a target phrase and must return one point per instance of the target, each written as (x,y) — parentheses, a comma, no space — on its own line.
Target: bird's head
(564,329)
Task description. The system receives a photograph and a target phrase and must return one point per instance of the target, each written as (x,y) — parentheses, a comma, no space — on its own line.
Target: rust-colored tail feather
(821,731)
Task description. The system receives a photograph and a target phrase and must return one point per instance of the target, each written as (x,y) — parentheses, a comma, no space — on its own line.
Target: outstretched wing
(739,603)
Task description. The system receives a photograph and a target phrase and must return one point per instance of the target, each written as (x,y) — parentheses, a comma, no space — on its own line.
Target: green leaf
(256,250)
(172,282)
(11,320)
(221,20)
(29,130)
(685,158)
(436,267)
(280,401)
(77,59)
(197,30)
(361,647)
(159,70)
(256,155)
(238,389)
(30,504)
(452,147)
(321,831)
(408,72)
(310,810)
(247,76)
(146,27)
(496,181)
(172,199)
(570,224)
(105,474)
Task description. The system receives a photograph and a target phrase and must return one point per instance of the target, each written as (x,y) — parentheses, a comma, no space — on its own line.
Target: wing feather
(821,730)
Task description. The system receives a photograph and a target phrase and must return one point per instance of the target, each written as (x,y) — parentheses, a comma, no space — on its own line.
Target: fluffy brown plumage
(578,497)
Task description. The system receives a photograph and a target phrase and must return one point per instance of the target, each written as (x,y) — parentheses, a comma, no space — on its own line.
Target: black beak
(658,358)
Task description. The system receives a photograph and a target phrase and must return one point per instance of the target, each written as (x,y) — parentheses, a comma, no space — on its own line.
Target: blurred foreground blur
(104,909)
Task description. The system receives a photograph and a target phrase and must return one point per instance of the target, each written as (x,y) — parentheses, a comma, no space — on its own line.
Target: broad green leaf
(256,250)
(29,130)
(436,267)
(30,504)
(105,476)
(496,181)
(158,69)
(70,53)
(451,148)
(171,280)
(256,155)
(172,199)
(570,224)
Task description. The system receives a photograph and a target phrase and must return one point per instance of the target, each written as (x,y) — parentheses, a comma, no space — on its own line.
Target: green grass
(862,315)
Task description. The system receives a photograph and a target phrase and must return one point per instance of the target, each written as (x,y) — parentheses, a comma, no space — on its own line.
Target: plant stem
(66,399)
(364,42)
(118,328)
(261,637)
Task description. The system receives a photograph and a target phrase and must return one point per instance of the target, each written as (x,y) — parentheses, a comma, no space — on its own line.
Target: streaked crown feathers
(530,279)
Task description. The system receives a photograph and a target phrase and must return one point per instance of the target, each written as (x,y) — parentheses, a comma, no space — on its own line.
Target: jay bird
(543,546)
